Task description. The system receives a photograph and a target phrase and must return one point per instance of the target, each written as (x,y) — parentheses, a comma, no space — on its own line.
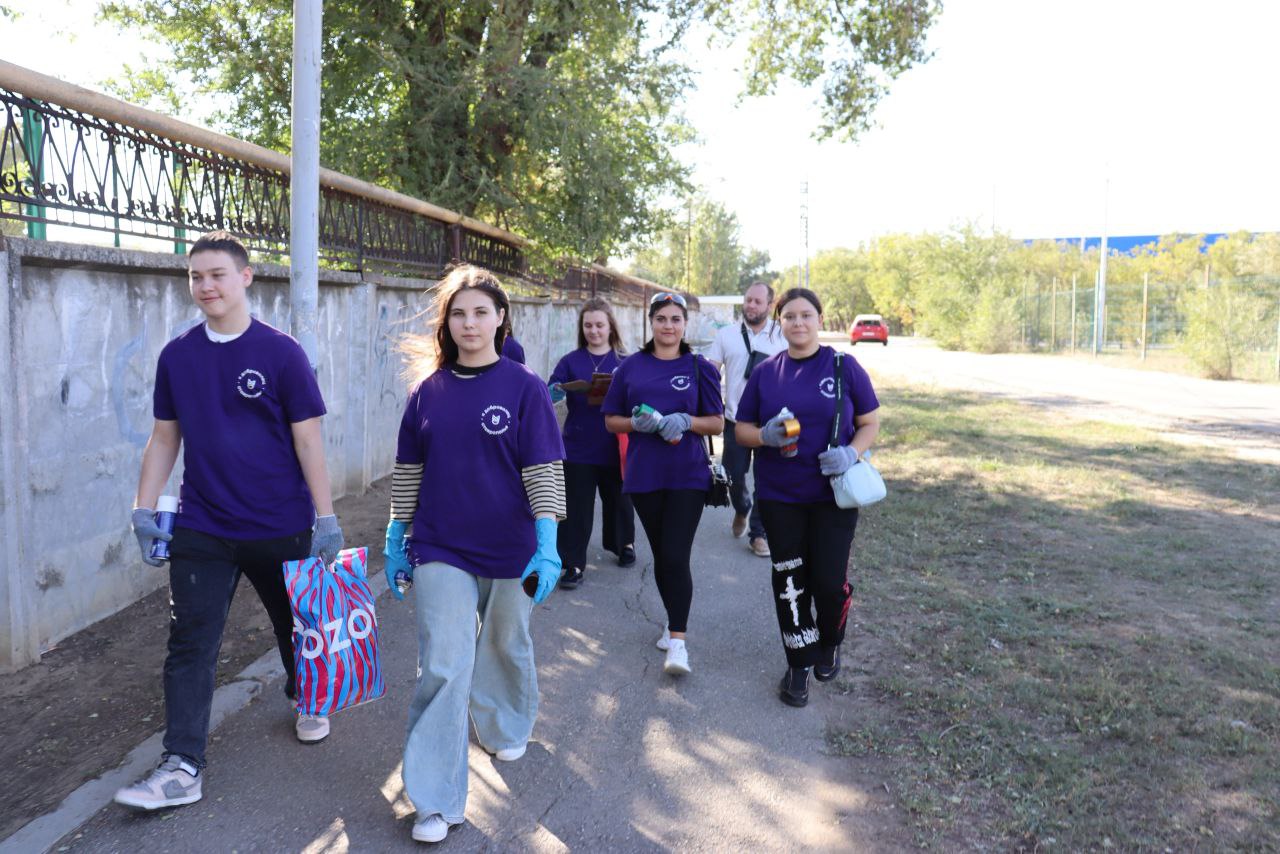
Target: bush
(1226,323)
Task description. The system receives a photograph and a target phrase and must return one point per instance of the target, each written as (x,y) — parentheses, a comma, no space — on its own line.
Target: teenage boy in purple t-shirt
(240,399)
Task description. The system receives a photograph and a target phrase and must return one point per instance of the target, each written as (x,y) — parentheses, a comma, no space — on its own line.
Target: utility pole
(1053,319)
(304,179)
(1100,292)
(804,227)
(1146,277)
(688,245)
(1073,312)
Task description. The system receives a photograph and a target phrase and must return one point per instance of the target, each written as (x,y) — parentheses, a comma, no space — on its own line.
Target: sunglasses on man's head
(668,297)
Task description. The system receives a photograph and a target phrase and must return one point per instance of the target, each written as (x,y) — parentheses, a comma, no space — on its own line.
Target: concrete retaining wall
(81,328)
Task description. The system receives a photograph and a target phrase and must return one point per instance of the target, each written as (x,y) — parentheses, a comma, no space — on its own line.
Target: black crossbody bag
(718,494)
(753,357)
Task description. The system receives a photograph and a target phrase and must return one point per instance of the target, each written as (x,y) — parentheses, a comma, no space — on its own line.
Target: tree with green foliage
(554,119)
(700,252)
(852,48)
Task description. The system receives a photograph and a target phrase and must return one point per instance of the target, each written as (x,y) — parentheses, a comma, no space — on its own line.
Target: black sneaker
(572,578)
(794,689)
(628,556)
(830,668)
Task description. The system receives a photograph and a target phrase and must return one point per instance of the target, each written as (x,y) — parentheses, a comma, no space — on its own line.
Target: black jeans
(809,546)
(581,483)
(670,519)
(203,574)
(737,460)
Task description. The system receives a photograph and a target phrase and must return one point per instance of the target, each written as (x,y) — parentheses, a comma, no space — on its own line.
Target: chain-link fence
(1224,328)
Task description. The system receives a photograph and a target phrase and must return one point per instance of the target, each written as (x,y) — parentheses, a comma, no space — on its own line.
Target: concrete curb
(43,833)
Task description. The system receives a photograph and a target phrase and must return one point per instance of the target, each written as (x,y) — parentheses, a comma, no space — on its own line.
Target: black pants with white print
(810,546)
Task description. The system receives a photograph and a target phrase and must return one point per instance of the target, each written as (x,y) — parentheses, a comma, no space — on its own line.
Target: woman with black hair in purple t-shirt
(667,399)
(478,477)
(810,537)
(591,462)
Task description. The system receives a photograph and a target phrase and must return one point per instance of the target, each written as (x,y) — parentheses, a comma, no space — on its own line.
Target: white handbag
(861,484)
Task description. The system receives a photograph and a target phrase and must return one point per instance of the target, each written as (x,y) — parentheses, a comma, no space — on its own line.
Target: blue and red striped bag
(335,633)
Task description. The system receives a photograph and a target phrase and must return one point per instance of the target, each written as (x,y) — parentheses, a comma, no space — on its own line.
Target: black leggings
(810,545)
(581,482)
(670,519)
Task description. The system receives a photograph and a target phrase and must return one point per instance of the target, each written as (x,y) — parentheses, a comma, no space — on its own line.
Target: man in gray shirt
(736,350)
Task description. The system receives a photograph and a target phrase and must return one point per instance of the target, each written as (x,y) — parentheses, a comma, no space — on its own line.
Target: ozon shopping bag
(335,633)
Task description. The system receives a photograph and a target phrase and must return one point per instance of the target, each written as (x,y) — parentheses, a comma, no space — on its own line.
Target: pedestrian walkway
(623,757)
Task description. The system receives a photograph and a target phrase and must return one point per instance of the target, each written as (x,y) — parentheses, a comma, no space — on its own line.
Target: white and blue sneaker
(175,783)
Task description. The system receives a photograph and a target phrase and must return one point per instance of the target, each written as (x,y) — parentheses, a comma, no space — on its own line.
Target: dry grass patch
(1073,633)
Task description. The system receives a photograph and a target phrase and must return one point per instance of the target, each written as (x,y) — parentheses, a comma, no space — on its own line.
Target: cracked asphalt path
(623,757)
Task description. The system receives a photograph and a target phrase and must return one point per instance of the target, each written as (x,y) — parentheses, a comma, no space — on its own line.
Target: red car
(869,327)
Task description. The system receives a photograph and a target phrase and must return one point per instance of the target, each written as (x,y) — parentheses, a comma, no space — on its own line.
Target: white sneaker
(174,783)
(665,641)
(433,828)
(311,728)
(677,663)
(510,754)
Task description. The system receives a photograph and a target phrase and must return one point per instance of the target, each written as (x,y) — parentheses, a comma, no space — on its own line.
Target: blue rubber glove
(672,427)
(838,460)
(396,553)
(326,539)
(774,434)
(545,561)
(645,422)
(146,530)
(557,393)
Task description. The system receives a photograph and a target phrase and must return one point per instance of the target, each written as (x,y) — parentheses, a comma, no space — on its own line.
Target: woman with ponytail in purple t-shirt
(667,475)
(809,536)
(591,462)
(478,476)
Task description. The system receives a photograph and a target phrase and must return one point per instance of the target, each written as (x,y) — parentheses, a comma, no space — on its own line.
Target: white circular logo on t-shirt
(680,383)
(251,383)
(827,387)
(495,419)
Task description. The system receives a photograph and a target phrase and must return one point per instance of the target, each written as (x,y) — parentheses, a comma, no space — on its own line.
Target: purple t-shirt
(669,386)
(473,436)
(807,387)
(586,440)
(234,403)
(512,350)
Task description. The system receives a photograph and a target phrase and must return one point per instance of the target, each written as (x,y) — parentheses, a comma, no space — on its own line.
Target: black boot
(794,689)
(572,578)
(830,667)
(627,557)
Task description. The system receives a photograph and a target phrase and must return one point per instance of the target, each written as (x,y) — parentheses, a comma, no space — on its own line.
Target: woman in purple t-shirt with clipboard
(809,536)
(478,476)
(591,463)
(667,399)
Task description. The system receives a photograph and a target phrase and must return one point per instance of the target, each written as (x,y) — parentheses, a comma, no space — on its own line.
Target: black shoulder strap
(697,409)
(746,339)
(835,422)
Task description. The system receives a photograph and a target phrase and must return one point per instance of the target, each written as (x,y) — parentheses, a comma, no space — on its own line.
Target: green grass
(1070,633)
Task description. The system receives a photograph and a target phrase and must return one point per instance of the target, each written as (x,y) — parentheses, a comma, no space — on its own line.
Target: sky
(1051,119)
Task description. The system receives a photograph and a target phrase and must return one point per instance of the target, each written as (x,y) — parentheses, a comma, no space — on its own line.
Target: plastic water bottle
(166,516)
(791,429)
(403,581)
(646,408)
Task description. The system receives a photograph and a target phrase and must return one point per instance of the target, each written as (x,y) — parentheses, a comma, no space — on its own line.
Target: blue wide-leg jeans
(486,669)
